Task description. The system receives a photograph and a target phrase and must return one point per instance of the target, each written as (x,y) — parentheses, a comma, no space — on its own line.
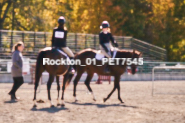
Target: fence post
(94,41)
(75,42)
(85,41)
(131,43)
(23,36)
(0,40)
(149,50)
(45,38)
(165,57)
(34,39)
(123,42)
(11,44)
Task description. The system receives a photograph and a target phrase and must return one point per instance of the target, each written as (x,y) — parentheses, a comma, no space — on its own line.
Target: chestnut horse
(115,70)
(53,70)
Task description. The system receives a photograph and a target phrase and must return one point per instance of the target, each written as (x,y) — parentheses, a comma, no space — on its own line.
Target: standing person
(17,63)
(59,40)
(104,40)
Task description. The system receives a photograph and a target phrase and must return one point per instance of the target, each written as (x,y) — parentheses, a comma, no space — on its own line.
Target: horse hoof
(58,104)
(122,102)
(62,105)
(34,106)
(52,106)
(94,99)
(76,100)
(104,100)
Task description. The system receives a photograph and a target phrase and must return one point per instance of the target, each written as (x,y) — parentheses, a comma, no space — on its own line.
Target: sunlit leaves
(160,22)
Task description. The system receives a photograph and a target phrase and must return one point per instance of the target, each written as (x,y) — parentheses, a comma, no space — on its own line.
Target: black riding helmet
(105,24)
(61,20)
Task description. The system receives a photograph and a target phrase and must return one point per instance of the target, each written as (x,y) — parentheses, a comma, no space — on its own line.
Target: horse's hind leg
(77,78)
(63,87)
(51,78)
(37,78)
(58,89)
(116,83)
(87,83)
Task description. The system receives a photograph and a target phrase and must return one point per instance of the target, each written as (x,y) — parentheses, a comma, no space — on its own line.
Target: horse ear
(133,53)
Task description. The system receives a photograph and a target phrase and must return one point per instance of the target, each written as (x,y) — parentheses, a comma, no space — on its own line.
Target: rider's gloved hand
(109,53)
(106,50)
(116,44)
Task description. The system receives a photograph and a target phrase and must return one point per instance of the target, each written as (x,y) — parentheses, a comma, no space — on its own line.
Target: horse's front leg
(105,99)
(51,78)
(116,85)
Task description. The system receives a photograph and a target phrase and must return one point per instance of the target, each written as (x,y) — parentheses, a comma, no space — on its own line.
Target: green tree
(5,6)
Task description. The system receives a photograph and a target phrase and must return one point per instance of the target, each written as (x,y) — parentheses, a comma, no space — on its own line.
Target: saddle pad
(47,48)
(63,53)
(99,55)
(50,48)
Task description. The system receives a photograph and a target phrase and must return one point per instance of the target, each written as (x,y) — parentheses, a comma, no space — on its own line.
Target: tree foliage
(160,22)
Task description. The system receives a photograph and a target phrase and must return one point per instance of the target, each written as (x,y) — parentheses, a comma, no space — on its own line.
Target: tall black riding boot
(106,69)
(18,81)
(71,69)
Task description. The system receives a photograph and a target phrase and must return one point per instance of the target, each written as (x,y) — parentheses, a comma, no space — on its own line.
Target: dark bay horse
(115,70)
(53,70)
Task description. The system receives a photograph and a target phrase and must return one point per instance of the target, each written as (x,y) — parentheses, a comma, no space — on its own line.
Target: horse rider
(104,40)
(59,40)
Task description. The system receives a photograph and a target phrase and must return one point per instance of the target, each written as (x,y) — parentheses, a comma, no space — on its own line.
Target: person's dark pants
(18,81)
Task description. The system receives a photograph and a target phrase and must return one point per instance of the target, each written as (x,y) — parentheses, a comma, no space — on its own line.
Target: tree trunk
(1,24)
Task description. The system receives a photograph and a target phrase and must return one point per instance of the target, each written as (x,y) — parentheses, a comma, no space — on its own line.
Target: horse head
(135,60)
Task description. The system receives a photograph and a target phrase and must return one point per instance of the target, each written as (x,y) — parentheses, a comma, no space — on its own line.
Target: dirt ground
(168,106)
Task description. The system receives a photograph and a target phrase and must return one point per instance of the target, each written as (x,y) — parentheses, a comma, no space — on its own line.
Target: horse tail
(76,56)
(69,80)
(39,67)
(71,75)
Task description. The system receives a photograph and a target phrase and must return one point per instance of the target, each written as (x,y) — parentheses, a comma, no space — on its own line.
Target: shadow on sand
(50,109)
(102,105)
(11,101)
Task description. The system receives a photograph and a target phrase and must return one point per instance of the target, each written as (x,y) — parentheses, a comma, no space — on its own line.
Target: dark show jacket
(105,38)
(59,37)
